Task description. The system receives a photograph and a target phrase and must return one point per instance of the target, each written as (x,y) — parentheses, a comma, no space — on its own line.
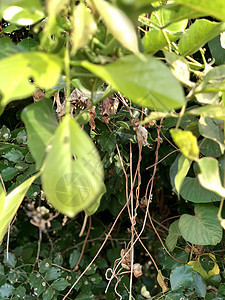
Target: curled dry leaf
(109,106)
(196,249)
(38,95)
(137,269)
(141,132)
(126,259)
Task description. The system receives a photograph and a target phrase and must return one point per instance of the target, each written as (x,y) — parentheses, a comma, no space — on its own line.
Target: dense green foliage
(112,149)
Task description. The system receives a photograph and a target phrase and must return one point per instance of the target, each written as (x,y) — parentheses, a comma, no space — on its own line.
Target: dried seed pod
(38,95)
(137,269)
(126,259)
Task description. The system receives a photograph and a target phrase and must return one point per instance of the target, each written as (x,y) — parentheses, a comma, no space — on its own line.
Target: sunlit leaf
(209,177)
(174,233)
(21,12)
(198,34)
(41,124)
(12,203)
(142,81)
(53,8)
(203,228)
(73,176)
(184,165)
(22,69)
(84,26)
(181,276)
(186,142)
(214,8)
(118,24)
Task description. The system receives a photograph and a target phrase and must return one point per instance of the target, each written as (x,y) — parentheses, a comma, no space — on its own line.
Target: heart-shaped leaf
(73,176)
(203,228)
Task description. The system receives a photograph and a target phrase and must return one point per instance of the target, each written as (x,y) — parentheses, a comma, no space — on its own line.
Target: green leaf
(28,44)
(184,165)
(209,176)
(84,26)
(37,282)
(74,256)
(118,24)
(214,81)
(85,296)
(53,8)
(43,68)
(8,48)
(218,53)
(203,228)
(142,81)
(53,273)
(6,290)
(60,284)
(9,260)
(73,176)
(14,155)
(48,294)
(21,12)
(10,28)
(199,285)
(210,111)
(215,8)
(9,173)
(40,124)
(210,128)
(107,141)
(198,35)
(181,277)
(186,142)
(210,148)
(191,190)
(174,233)
(12,203)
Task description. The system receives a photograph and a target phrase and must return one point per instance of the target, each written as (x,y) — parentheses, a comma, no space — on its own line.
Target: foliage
(126,133)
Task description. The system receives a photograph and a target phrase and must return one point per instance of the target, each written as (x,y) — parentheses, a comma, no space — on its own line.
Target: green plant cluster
(112,114)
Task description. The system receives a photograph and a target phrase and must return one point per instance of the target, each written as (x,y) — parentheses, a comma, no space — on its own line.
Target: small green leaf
(37,282)
(60,284)
(118,24)
(142,81)
(173,235)
(199,285)
(44,69)
(181,277)
(209,111)
(53,273)
(73,176)
(40,124)
(9,260)
(186,142)
(184,165)
(217,51)
(74,256)
(21,12)
(6,290)
(107,141)
(12,203)
(9,173)
(198,35)
(13,155)
(84,26)
(210,128)
(203,228)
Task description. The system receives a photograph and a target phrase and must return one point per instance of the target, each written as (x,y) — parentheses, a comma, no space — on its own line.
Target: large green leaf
(198,35)
(214,8)
(203,228)
(187,143)
(191,190)
(118,24)
(11,204)
(20,70)
(217,51)
(40,124)
(73,176)
(147,82)
(209,177)
(21,12)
